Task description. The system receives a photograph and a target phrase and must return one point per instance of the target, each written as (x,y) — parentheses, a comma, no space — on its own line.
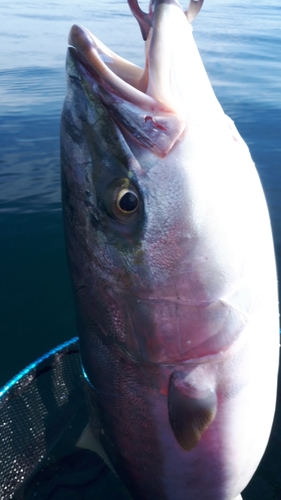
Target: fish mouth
(120,77)
(145,103)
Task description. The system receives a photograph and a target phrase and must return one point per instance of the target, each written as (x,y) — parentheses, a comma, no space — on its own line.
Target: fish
(172,264)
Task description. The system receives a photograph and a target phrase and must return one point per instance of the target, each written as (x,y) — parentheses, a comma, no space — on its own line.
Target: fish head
(163,243)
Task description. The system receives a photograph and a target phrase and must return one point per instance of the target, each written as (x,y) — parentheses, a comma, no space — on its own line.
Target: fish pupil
(128,202)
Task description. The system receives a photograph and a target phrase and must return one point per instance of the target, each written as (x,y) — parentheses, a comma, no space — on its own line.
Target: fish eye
(127,201)
(122,201)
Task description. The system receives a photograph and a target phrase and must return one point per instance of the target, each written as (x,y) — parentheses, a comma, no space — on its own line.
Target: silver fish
(171,257)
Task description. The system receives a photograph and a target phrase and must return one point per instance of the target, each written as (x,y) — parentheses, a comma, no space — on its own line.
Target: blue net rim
(36,364)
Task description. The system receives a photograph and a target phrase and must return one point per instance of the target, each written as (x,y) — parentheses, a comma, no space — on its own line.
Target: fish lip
(143,121)
(90,52)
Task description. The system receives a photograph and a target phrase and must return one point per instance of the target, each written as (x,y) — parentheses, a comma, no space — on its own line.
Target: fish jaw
(120,86)
(156,105)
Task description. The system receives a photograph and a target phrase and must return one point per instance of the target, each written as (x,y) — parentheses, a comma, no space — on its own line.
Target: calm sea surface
(240,43)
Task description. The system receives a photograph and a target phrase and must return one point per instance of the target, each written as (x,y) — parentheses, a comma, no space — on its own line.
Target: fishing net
(42,414)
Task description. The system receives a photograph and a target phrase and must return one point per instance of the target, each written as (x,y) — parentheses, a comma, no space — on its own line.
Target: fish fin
(191,411)
(90,441)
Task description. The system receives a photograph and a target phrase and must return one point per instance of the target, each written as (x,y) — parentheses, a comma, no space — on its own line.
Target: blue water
(240,43)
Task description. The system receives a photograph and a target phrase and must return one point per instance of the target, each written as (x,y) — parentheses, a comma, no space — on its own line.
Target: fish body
(172,263)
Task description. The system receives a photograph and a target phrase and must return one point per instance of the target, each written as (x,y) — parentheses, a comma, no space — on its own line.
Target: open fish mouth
(143,101)
(111,71)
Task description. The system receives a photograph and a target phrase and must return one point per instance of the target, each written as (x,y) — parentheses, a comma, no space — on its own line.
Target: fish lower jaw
(142,119)
(112,73)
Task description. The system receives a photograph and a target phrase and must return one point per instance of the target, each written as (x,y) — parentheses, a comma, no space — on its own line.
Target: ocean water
(240,43)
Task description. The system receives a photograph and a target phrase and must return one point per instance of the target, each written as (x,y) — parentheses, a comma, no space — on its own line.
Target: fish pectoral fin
(191,411)
(89,440)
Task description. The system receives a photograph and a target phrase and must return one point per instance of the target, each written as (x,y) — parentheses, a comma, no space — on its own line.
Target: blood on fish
(155,123)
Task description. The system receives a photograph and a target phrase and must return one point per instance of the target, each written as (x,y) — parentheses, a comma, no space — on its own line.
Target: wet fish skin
(176,302)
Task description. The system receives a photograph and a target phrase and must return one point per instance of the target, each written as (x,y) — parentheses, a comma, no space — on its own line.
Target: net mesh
(43,412)
(34,409)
